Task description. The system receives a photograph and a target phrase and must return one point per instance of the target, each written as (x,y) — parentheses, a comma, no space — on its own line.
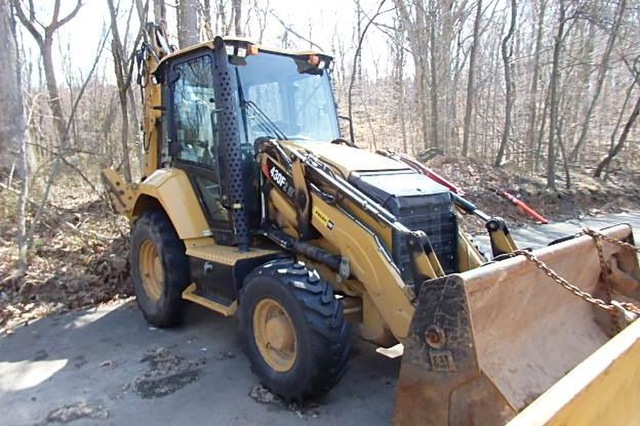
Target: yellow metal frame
(189,294)
(171,189)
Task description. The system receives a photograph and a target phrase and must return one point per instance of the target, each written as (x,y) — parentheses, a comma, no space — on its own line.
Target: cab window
(194,111)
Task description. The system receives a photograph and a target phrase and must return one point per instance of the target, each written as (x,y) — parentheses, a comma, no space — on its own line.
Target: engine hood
(347,159)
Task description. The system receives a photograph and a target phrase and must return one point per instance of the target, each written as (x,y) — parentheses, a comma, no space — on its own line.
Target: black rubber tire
(322,333)
(168,311)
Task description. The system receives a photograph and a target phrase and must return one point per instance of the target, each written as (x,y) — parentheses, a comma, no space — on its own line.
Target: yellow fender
(168,188)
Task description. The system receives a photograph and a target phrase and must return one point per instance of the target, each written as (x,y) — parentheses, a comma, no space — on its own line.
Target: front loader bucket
(484,344)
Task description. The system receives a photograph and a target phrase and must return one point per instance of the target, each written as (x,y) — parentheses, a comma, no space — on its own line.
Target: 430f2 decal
(279,178)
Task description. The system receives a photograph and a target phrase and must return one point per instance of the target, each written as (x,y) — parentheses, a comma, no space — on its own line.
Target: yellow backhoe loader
(252,204)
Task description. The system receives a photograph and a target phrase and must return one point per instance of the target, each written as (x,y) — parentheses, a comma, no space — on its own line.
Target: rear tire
(310,359)
(159,269)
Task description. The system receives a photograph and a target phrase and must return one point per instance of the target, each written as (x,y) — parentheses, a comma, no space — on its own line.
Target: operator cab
(274,94)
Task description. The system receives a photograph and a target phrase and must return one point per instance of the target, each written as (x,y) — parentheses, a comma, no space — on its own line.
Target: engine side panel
(420,204)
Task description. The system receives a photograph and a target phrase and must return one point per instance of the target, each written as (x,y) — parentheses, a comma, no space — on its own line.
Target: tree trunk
(237,15)
(418,41)
(621,141)
(52,89)
(602,71)
(160,13)
(13,129)
(119,63)
(470,80)
(507,52)
(188,33)
(398,70)
(435,140)
(11,108)
(553,101)
(445,94)
(355,62)
(206,19)
(533,93)
(261,15)
(45,43)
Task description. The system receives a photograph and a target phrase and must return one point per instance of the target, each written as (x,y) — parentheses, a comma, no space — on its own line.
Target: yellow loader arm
(486,344)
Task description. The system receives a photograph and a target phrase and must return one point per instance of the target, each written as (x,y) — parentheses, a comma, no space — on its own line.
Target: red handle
(525,208)
(433,175)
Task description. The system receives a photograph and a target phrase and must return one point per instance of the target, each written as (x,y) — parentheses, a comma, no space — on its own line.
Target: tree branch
(28,23)
(289,29)
(55,24)
(56,12)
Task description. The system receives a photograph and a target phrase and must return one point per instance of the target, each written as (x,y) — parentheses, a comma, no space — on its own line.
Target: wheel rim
(275,335)
(151,270)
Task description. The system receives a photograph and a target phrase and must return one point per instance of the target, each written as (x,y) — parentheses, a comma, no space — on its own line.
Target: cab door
(193,136)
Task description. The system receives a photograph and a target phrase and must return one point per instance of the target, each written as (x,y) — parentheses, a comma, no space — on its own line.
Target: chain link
(604,273)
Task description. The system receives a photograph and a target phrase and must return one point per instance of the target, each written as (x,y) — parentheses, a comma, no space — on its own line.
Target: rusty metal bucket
(486,343)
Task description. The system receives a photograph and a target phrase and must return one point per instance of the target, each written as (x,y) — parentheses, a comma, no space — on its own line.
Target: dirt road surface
(107,366)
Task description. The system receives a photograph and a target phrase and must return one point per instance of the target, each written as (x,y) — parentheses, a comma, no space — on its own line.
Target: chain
(610,305)
(597,235)
(604,273)
(564,283)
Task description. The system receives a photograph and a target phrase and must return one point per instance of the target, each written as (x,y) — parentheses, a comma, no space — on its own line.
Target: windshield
(280,102)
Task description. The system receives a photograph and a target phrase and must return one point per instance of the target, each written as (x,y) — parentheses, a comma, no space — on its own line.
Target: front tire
(293,330)
(159,269)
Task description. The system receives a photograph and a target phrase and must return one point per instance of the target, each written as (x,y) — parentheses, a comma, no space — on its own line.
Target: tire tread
(324,315)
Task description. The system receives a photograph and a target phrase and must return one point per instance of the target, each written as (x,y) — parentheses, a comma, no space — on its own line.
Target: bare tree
(553,97)
(60,154)
(434,47)
(160,12)
(603,66)
(261,16)
(473,54)
(614,150)
(11,108)
(45,44)
(188,33)
(205,9)
(123,65)
(398,49)
(535,77)
(13,136)
(237,16)
(414,21)
(356,56)
(507,53)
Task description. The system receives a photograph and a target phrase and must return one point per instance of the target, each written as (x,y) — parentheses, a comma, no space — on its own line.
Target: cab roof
(235,39)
